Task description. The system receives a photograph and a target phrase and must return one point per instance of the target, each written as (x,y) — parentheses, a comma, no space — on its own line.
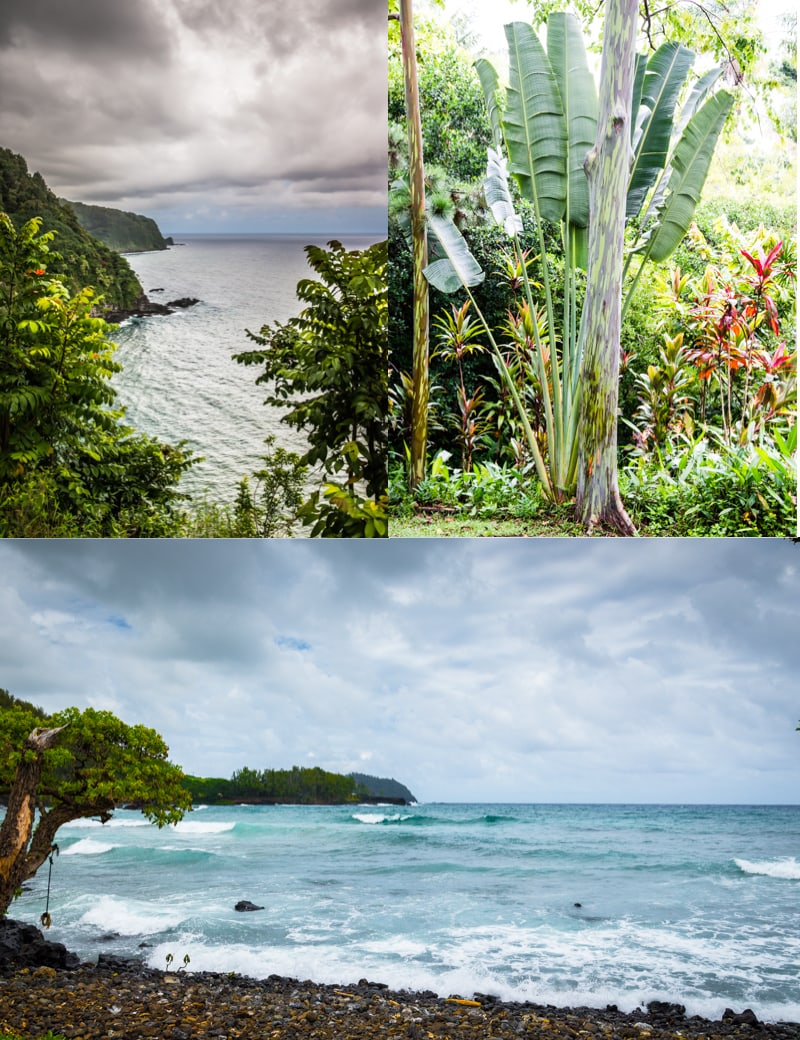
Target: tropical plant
(547,122)
(420,378)
(60,429)
(731,320)
(457,338)
(329,366)
(72,765)
(699,485)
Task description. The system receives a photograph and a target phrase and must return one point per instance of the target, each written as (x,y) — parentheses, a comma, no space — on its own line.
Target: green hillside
(121,231)
(82,259)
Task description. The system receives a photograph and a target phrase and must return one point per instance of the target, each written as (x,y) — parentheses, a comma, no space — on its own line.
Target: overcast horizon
(598,670)
(259,118)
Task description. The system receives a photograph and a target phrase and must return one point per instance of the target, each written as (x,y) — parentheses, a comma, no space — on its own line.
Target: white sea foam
(115,821)
(130,917)
(373,818)
(88,847)
(196,827)
(787,868)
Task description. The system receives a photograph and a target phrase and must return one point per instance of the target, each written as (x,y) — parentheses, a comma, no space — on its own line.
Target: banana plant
(545,122)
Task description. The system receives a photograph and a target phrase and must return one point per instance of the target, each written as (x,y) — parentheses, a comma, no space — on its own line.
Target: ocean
(178,380)
(562,904)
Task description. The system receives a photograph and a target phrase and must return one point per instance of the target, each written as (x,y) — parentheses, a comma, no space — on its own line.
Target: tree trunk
(607,167)
(18,860)
(420,388)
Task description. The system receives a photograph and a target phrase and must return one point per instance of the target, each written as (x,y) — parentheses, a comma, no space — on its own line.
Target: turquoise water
(178,380)
(688,903)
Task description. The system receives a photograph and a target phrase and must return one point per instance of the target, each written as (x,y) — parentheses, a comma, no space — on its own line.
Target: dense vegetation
(707,386)
(71,467)
(79,259)
(71,765)
(296,786)
(121,231)
(327,366)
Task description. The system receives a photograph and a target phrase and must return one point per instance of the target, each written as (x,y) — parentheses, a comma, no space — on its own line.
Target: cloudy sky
(574,670)
(257,115)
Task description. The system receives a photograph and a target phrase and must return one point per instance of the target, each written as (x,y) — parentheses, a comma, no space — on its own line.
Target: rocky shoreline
(143,307)
(125,999)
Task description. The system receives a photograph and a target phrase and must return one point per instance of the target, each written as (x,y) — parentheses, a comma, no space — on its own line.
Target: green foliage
(328,365)
(703,487)
(68,464)
(49,1035)
(298,785)
(488,492)
(735,320)
(121,231)
(267,510)
(81,259)
(98,763)
(92,763)
(455,132)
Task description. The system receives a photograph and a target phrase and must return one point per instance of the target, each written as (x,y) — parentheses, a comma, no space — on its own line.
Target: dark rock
(111,962)
(244,905)
(578,904)
(156,290)
(24,946)
(663,1009)
(110,937)
(746,1018)
(184,301)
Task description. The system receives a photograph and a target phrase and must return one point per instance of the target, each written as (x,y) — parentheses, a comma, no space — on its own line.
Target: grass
(47,1036)
(439,524)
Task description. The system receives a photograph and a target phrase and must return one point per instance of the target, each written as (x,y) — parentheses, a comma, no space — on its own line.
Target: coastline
(125,998)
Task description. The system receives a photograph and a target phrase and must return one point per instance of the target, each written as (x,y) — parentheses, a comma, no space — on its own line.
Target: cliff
(121,231)
(77,258)
(379,789)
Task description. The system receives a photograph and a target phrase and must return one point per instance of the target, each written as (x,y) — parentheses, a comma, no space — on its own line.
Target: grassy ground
(443,523)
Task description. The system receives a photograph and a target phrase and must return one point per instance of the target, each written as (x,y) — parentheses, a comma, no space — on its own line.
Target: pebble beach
(125,999)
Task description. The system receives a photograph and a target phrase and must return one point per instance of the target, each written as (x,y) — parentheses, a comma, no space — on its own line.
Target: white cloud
(537,670)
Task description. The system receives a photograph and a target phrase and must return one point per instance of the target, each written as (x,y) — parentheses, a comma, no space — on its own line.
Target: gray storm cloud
(539,671)
(178,105)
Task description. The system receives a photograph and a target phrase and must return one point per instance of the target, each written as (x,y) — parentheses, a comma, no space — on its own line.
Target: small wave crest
(787,868)
(129,917)
(88,847)
(373,818)
(196,827)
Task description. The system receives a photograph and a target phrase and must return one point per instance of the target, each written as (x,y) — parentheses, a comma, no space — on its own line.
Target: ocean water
(699,905)
(178,380)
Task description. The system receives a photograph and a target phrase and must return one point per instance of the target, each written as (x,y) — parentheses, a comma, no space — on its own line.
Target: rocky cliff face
(121,231)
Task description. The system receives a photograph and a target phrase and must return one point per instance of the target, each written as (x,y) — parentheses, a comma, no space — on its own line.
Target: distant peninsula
(121,231)
(296,786)
(77,257)
(88,242)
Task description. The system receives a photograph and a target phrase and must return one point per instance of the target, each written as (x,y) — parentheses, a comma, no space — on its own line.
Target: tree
(72,765)
(329,365)
(420,375)
(60,426)
(547,123)
(607,166)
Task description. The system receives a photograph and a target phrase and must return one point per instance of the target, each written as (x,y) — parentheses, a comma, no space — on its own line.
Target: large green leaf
(698,95)
(498,194)
(666,71)
(490,83)
(690,163)
(535,130)
(579,101)
(639,113)
(458,267)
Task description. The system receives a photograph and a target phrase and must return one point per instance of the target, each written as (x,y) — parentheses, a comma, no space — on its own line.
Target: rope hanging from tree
(45,918)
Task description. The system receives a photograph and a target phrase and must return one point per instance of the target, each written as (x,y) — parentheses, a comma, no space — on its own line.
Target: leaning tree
(74,764)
